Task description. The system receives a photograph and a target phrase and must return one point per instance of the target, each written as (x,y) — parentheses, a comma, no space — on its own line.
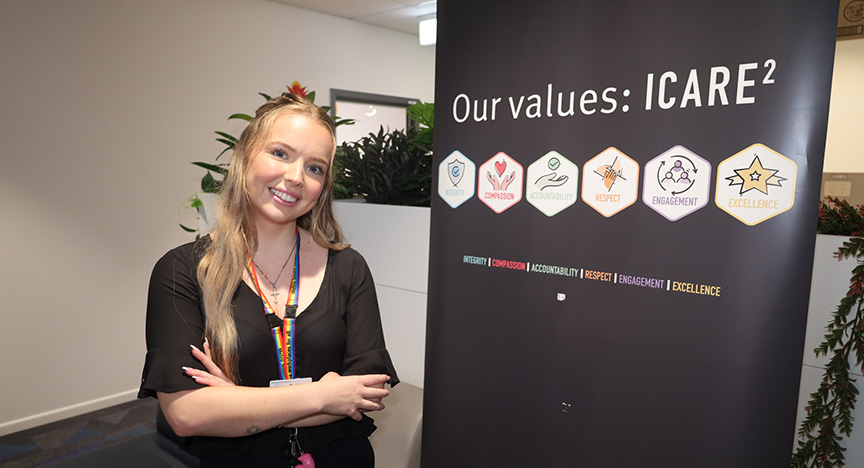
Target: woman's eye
(317,170)
(280,154)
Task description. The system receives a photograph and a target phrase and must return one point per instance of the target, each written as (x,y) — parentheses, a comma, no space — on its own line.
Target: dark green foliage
(829,410)
(398,170)
(424,114)
(340,190)
(386,168)
(837,217)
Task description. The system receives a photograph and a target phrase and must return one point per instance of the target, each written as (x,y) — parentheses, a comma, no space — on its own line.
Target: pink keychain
(306,461)
(296,453)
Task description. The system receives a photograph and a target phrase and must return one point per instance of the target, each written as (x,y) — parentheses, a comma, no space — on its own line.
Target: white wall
(844,151)
(103,104)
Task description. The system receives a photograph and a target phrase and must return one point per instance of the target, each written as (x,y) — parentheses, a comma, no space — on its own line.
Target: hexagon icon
(756,184)
(676,183)
(499,182)
(456,179)
(552,183)
(610,182)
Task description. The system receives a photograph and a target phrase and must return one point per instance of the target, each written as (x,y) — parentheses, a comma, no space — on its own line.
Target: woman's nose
(294,173)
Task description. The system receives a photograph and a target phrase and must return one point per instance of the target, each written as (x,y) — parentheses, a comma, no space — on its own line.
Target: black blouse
(339,331)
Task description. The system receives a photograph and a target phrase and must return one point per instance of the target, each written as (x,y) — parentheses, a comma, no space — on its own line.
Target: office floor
(64,439)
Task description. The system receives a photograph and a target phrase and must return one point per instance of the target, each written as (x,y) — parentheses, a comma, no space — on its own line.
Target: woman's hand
(352,395)
(213,377)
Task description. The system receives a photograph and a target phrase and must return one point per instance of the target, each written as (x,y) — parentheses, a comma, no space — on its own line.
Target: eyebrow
(321,161)
(280,143)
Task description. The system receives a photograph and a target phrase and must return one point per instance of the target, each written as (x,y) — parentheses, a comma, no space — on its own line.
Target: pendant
(274,292)
(306,461)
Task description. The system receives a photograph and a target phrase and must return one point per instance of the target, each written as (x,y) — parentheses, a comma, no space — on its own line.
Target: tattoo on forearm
(253,429)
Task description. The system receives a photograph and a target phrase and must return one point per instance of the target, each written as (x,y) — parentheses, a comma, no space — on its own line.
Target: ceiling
(398,15)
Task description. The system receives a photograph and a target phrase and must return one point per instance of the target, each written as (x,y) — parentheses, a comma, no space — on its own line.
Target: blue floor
(63,439)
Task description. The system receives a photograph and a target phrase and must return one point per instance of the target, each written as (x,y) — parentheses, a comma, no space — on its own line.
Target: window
(371,112)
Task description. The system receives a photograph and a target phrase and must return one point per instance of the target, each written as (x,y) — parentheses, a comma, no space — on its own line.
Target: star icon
(756,177)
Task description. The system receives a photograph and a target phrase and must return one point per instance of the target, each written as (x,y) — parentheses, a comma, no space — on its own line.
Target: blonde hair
(221,267)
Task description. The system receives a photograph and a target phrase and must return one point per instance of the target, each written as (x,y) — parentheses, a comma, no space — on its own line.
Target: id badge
(289,382)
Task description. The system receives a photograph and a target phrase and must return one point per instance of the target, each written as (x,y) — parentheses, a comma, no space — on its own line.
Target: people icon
(677,175)
(669,177)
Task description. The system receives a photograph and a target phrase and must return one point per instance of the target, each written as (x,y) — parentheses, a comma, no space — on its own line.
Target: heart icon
(500,166)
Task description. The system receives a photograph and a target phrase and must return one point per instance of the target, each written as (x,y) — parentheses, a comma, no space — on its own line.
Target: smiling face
(287,174)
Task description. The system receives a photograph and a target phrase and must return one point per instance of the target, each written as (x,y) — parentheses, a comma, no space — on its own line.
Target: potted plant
(387,168)
(829,410)
(390,168)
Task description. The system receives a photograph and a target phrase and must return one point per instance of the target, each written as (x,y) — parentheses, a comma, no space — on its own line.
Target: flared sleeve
(365,351)
(174,322)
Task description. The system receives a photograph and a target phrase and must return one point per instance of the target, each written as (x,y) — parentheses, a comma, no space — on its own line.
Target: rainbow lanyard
(283,329)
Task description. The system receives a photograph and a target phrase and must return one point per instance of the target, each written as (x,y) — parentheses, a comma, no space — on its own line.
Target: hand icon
(551,180)
(495,185)
(508,180)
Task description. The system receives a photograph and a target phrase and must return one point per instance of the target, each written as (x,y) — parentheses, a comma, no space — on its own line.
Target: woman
(219,312)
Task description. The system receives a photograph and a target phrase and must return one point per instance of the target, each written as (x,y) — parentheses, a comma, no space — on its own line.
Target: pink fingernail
(193,347)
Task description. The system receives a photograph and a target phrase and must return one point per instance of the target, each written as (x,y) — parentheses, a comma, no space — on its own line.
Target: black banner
(623,234)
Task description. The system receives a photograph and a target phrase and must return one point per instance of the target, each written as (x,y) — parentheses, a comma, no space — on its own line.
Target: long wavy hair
(221,267)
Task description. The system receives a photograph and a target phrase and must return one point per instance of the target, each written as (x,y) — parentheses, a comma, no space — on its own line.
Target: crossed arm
(223,409)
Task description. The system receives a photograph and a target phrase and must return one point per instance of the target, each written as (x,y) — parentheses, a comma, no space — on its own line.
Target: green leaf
(337,122)
(188,229)
(209,184)
(422,113)
(226,136)
(223,152)
(310,96)
(265,96)
(218,168)
(245,117)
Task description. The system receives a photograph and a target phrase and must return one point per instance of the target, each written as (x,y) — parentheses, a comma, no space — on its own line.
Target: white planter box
(830,283)
(395,242)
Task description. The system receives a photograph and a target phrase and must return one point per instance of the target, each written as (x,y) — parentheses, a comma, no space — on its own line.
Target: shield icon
(455,170)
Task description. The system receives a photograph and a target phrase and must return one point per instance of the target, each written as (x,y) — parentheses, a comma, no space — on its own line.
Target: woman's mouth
(283,196)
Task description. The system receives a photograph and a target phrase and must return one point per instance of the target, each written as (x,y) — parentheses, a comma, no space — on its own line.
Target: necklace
(275,292)
(283,329)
